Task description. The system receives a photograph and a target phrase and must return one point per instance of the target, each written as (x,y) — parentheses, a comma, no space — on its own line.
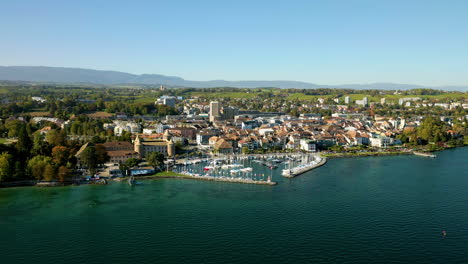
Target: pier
(315,163)
(226,179)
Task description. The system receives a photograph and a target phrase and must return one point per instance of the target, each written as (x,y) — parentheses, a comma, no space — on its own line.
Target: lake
(352,210)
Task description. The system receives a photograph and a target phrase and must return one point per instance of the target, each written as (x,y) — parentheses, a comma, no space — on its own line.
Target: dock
(225,179)
(424,154)
(291,173)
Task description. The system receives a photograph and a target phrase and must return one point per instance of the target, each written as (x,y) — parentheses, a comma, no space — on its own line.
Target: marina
(250,169)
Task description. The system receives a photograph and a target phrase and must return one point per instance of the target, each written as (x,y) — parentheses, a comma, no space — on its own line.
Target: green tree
(245,150)
(156,159)
(6,168)
(89,159)
(132,162)
(37,166)
(49,172)
(40,147)
(24,143)
(56,138)
(101,154)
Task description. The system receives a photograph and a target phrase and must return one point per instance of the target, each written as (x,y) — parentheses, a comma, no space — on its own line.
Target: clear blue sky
(324,42)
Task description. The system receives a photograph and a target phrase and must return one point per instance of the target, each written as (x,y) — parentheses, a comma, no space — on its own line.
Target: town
(67,134)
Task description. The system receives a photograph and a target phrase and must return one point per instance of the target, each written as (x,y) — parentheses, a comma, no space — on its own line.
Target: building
(308,145)
(120,151)
(401,101)
(363,102)
(214,111)
(229,112)
(347,100)
(382,101)
(204,136)
(186,132)
(144,146)
(167,100)
(223,147)
(121,126)
(381,141)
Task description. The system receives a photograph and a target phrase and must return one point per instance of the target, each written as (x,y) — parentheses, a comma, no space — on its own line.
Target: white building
(401,101)
(308,145)
(347,100)
(381,141)
(167,100)
(121,126)
(363,102)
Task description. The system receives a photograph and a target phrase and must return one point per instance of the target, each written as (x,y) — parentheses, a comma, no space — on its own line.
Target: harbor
(249,169)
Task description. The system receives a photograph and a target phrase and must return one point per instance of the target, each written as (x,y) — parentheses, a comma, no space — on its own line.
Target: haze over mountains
(88,76)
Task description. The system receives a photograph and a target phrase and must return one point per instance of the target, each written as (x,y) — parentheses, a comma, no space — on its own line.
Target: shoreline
(174,175)
(365,154)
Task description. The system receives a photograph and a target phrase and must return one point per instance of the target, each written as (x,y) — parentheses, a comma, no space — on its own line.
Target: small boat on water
(424,154)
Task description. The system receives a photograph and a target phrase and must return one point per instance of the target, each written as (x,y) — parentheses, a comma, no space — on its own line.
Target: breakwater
(316,162)
(202,178)
(226,179)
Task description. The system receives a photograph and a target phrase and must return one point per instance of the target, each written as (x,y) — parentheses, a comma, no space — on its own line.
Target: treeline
(433,130)
(35,155)
(45,151)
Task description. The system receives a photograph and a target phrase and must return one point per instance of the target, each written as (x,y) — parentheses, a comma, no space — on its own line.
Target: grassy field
(232,95)
(167,174)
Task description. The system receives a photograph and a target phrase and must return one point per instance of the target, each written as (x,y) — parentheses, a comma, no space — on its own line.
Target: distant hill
(78,75)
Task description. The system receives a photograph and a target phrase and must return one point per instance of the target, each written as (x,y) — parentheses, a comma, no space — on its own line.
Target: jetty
(316,162)
(188,175)
(424,154)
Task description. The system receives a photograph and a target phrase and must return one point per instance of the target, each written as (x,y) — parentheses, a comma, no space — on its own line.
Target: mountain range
(45,74)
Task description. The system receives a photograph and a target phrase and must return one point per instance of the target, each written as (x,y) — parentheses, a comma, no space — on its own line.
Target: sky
(319,41)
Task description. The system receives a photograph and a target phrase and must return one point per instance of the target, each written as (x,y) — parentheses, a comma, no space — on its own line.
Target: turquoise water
(361,210)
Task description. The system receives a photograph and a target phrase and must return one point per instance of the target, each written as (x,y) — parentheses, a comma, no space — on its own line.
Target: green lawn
(232,95)
(166,174)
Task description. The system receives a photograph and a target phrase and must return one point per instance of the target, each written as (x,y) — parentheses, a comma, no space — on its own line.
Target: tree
(49,172)
(6,168)
(24,143)
(62,173)
(132,162)
(13,127)
(40,147)
(37,167)
(89,159)
(55,138)
(101,154)
(155,159)
(60,155)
